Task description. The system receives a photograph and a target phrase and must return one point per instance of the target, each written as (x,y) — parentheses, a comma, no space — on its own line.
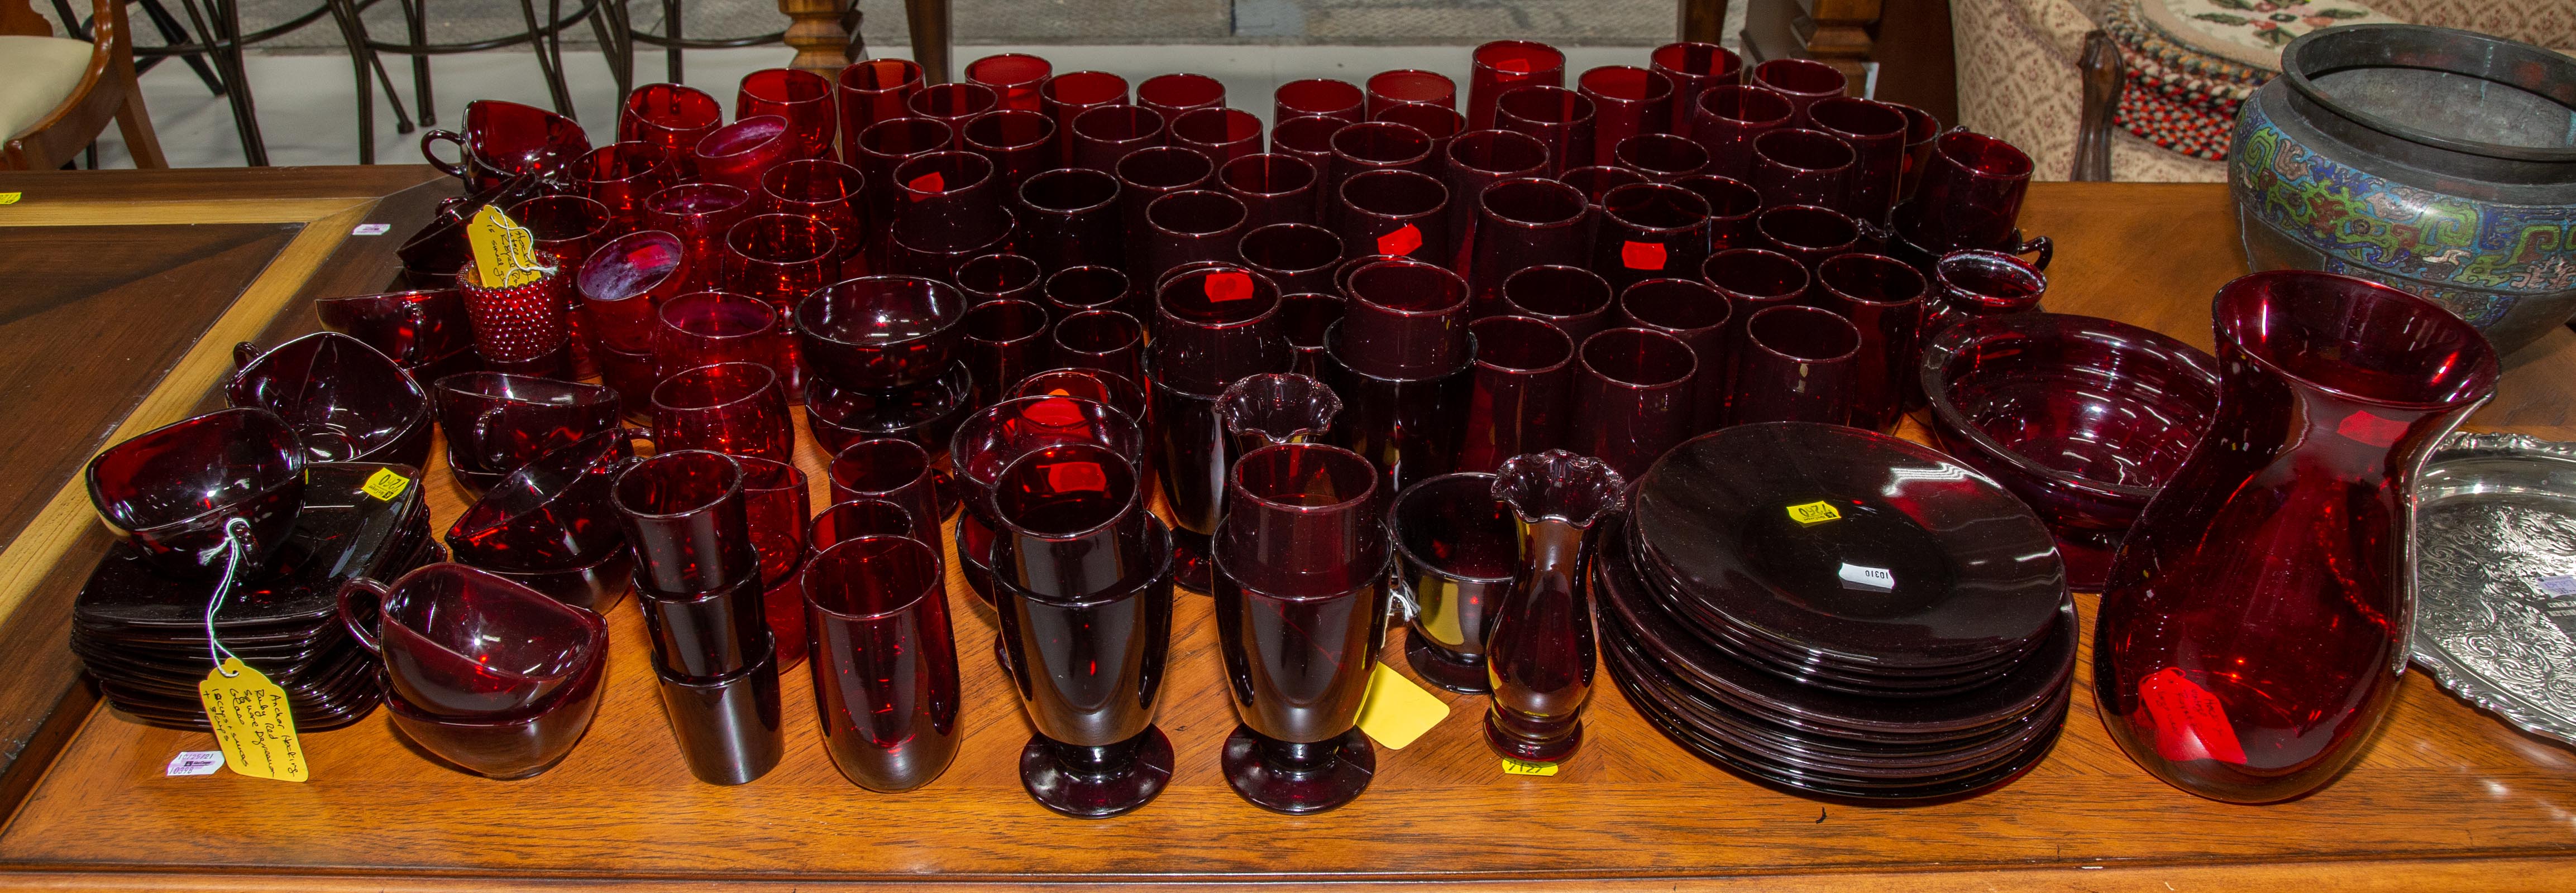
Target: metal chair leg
(416,27)
(545,65)
(671,27)
(608,21)
(226,53)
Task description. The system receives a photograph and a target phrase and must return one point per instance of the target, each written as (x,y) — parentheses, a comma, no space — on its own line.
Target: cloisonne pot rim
(2299,70)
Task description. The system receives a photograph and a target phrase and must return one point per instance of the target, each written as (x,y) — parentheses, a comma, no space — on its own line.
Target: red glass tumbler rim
(1492,54)
(1265,184)
(1629,203)
(1831,274)
(1801,77)
(955,100)
(867,466)
(743,137)
(685,199)
(1554,196)
(1448,298)
(925,561)
(1311,135)
(1382,144)
(1163,168)
(1653,361)
(1232,126)
(1176,302)
(1195,212)
(990,131)
(771,239)
(846,179)
(785,86)
(1844,347)
(1562,292)
(1181,90)
(1804,149)
(1684,55)
(1009,274)
(654,464)
(879,75)
(868,509)
(957,171)
(1732,259)
(1747,105)
(1347,467)
(1315,241)
(1544,105)
(930,134)
(1099,333)
(1413,85)
(1099,87)
(1009,70)
(1509,352)
(1130,120)
(1046,465)
(1982,155)
(727,385)
(1659,317)
(1478,151)
(1311,96)
(1041,191)
(1626,83)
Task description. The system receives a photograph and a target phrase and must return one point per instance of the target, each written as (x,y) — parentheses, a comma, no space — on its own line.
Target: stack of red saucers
(1839,613)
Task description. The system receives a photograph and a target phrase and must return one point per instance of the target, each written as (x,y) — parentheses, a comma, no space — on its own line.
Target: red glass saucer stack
(1838,613)
(142,633)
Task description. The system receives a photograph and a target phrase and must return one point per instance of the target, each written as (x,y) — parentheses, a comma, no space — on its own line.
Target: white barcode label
(1874,579)
(372,229)
(2563,584)
(196,762)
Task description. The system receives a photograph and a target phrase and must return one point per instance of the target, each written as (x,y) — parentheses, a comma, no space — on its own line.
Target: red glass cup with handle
(701,328)
(2256,625)
(1298,257)
(1409,86)
(1698,314)
(1649,231)
(1626,101)
(1005,340)
(551,526)
(619,176)
(1397,213)
(424,330)
(345,401)
(1661,157)
(1804,81)
(1521,399)
(727,408)
(869,91)
(1018,143)
(1573,299)
(1883,298)
(1971,193)
(1172,94)
(1478,159)
(1066,96)
(1014,78)
(1301,560)
(1102,135)
(1632,392)
(802,97)
(953,103)
(1220,134)
(827,191)
(999,277)
(670,117)
(1069,218)
(1520,224)
(1796,364)
(1273,189)
(1455,549)
(1558,118)
(1186,227)
(178,492)
(884,661)
(1797,166)
(462,643)
(700,215)
(1500,66)
(738,153)
(1406,319)
(879,332)
(1693,68)
(1319,98)
(1876,133)
(503,140)
(496,422)
(1728,118)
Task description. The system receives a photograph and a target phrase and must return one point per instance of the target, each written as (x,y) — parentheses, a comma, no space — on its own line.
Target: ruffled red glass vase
(2255,627)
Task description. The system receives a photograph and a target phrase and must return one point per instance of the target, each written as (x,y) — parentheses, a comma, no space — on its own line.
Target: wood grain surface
(2447,798)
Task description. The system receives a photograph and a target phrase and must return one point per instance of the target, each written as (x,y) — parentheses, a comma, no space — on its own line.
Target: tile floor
(307,108)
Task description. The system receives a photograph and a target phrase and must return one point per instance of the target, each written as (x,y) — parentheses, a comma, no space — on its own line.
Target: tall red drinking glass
(1172,94)
(1626,101)
(1395,212)
(1797,166)
(1697,313)
(1661,157)
(1573,299)
(1520,224)
(1649,231)
(1694,68)
(1188,226)
(1319,98)
(1308,139)
(1632,392)
(1299,258)
(873,90)
(1076,289)
(1804,81)
(1013,77)
(948,200)
(1106,340)
(1875,131)
(1222,135)
(1796,364)
(1019,143)
(1883,298)
(1066,96)
(1409,86)
(1069,218)
(886,693)
(1731,209)
(953,104)
(1502,65)
(1971,193)
(1558,118)
(1105,134)
(1273,189)
(1727,120)
(802,97)
(895,470)
(1523,383)
(1478,159)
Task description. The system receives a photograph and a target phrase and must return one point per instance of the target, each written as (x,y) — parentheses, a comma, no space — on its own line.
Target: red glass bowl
(171,491)
(346,402)
(878,332)
(2083,418)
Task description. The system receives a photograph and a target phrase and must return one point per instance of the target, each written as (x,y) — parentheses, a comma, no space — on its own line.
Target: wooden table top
(2448,796)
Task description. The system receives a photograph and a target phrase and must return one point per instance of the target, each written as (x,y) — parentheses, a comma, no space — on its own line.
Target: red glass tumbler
(1796,364)
(1875,131)
(1626,101)
(1273,189)
(1560,119)
(1884,300)
(624,285)
(1299,258)
(726,408)
(700,214)
(884,661)
(1502,65)
(738,153)
(707,327)
(1395,212)
(1520,224)
(1697,313)
(1172,94)
(870,91)
(1019,143)
(827,191)
(1222,135)
(1694,68)
(1102,135)
(1649,231)
(1632,393)
(1069,217)
(670,117)
(1804,81)
(1066,96)
(1013,77)
(1573,299)
(1319,98)
(620,176)
(802,97)
(1728,118)
(1519,401)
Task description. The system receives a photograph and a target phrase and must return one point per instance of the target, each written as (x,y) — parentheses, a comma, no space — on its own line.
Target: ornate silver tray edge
(2453,676)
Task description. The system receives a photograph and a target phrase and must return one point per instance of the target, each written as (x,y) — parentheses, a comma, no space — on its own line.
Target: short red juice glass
(953,104)
(1407,86)
(1694,68)
(1013,77)
(1069,217)
(726,408)
(1522,391)
(802,97)
(1065,96)
(1559,118)
(1405,319)
(1804,81)
(1273,188)
(1575,300)
(1500,66)
(1796,364)
(1395,212)
(1319,98)
(1729,117)
(1102,135)
(1222,135)
(1632,393)
(1172,94)
(1649,231)
(873,90)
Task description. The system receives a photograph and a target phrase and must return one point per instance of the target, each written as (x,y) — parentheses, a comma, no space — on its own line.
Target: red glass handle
(453,169)
(2042,244)
(349,614)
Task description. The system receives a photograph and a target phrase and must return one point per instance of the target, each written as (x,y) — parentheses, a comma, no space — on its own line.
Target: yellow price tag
(252,721)
(1525,767)
(384,485)
(1814,513)
(505,253)
(9,198)
(1395,711)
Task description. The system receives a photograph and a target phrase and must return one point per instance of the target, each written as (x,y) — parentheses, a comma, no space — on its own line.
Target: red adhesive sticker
(1065,476)
(1514,65)
(2366,427)
(1055,413)
(2189,722)
(1642,255)
(1228,285)
(1400,242)
(931,183)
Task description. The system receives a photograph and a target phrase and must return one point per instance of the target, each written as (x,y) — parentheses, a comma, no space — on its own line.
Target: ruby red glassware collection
(1393,359)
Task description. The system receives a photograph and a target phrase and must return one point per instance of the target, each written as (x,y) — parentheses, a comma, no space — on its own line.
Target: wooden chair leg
(136,125)
(930,40)
(1702,21)
(2105,75)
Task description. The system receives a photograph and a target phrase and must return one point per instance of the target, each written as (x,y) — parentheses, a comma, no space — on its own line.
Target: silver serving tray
(2495,577)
